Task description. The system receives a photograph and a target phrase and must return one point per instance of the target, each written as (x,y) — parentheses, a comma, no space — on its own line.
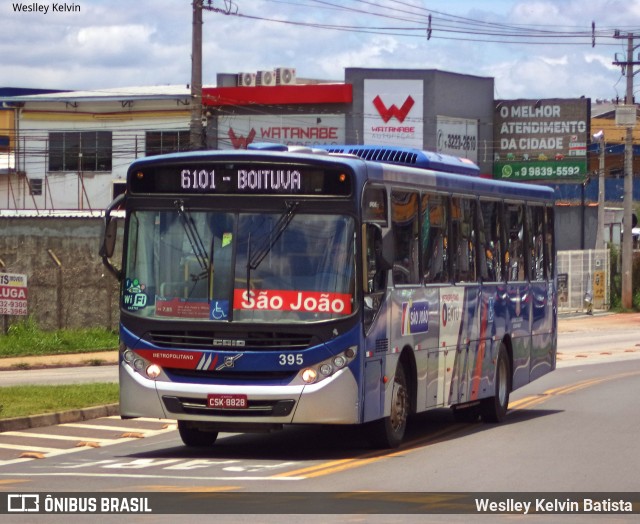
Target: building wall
(576,227)
(88,190)
(78,293)
(444,95)
(6,140)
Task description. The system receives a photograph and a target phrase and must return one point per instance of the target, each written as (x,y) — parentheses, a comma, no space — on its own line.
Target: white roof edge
(142,92)
(49,213)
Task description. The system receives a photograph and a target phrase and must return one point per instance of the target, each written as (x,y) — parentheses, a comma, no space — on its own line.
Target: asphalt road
(63,375)
(572,431)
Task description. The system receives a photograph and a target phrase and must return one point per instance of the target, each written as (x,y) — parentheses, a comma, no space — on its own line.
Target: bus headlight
(340,361)
(153,371)
(309,375)
(140,364)
(328,367)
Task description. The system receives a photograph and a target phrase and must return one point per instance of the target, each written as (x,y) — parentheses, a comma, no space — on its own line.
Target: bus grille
(257,408)
(229,377)
(382,345)
(231,341)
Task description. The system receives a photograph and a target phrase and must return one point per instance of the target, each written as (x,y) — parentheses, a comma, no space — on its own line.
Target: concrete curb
(63,417)
(98,358)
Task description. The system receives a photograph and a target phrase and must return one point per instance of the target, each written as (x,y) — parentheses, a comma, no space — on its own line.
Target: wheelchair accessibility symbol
(219,310)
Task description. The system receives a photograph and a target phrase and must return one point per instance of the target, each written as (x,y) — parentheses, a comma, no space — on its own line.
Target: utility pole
(600,138)
(627,237)
(195,128)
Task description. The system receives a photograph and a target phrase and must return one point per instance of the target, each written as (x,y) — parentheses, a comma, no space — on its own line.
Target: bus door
(375,270)
(441,342)
(542,326)
(460,303)
(414,309)
(519,294)
(453,345)
(494,298)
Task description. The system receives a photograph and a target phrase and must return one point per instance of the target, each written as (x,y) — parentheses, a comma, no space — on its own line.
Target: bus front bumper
(333,400)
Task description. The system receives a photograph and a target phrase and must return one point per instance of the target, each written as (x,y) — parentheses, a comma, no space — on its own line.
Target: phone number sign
(13,294)
(565,169)
(457,137)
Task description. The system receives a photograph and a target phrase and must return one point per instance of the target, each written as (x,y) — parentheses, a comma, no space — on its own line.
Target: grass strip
(23,401)
(26,339)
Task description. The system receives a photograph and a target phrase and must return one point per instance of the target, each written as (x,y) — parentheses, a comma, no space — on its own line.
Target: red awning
(278,95)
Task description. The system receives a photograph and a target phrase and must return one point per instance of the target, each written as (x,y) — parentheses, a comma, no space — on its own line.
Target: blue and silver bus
(355,285)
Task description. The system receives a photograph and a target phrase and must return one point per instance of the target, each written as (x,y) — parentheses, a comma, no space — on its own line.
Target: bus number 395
(290,359)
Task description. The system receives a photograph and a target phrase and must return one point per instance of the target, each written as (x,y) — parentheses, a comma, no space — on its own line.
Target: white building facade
(71,150)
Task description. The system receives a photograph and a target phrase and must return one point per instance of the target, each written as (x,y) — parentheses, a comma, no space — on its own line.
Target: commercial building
(70,150)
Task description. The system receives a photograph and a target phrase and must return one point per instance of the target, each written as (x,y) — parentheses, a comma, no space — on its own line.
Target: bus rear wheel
(388,432)
(194,437)
(494,409)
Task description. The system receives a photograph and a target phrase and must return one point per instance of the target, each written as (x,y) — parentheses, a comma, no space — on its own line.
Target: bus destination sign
(232,179)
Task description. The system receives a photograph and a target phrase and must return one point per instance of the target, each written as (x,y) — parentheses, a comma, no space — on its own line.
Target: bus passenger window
(536,243)
(405,224)
(514,257)
(549,242)
(376,273)
(490,243)
(463,239)
(435,217)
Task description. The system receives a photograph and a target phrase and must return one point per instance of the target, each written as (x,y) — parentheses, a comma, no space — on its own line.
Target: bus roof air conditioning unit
(246,79)
(266,78)
(285,76)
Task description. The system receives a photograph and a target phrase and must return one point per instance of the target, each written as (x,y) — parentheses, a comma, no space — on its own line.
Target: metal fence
(583,280)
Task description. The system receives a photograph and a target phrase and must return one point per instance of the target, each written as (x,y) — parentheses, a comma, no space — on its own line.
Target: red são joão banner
(285,300)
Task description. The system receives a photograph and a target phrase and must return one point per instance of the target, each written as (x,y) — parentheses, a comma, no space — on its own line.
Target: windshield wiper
(269,241)
(195,240)
(255,259)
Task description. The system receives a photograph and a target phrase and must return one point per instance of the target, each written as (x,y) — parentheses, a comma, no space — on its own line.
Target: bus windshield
(268,267)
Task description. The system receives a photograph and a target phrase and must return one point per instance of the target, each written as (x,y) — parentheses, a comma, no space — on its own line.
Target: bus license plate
(227,401)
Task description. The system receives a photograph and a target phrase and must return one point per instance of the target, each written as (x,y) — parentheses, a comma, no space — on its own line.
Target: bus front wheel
(388,432)
(494,409)
(194,437)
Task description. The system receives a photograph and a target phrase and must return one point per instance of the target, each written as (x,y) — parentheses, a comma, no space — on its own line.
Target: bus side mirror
(108,246)
(109,240)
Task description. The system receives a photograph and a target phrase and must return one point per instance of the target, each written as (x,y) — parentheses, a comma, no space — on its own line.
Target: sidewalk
(578,321)
(56,361)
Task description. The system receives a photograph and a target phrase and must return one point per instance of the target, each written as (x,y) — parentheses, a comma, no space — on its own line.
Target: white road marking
(142,476)
(53,437)
(25,447)
(114,428)
(145,419)
(54,452)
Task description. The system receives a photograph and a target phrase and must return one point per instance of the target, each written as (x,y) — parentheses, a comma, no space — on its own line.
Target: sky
(532,48)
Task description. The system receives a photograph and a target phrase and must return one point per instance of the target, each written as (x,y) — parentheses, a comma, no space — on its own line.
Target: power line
(443,26)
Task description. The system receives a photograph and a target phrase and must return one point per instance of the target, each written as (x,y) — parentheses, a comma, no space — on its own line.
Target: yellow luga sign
(13,294)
